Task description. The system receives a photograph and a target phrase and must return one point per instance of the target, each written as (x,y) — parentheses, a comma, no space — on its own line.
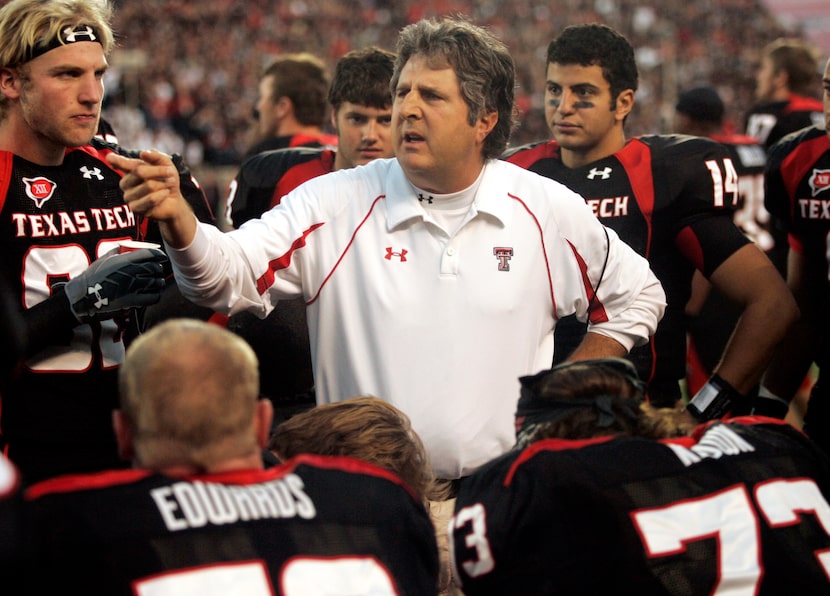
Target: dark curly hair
(595,44)
(362,77)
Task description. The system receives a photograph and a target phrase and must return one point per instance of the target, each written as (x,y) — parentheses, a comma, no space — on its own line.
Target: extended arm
(151,189)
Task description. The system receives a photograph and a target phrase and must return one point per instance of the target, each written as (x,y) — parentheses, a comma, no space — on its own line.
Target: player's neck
(289,129)
(579,157)
(18,138)
(253,461)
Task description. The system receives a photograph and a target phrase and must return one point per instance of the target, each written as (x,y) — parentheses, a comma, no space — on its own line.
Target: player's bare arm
(151,189)
(796,353)
(750,279)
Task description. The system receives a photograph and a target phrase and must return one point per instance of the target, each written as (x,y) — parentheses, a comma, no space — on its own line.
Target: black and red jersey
(265,178)
(769,122)
(671,198)
(281,340)
(314,525)
(711,328)
(293,141)
(740,507)
(798,196)
(54,222)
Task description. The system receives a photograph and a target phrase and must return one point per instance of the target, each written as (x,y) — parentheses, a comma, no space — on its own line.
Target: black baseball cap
(701,103)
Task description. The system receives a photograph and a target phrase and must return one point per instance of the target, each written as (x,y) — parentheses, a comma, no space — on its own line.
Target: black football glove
(115,282)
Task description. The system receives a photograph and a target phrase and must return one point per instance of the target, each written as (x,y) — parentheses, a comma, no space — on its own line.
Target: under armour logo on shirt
(88,174)
(422,198)
(401,254)
(604,173)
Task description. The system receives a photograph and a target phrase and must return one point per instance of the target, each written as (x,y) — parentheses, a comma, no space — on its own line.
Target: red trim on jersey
(795,166)
(76,482)
(596,312)
(301,139)
(635,157)
(688,243)
(525,158)
(735,139)
(346,464)
(6,167)
(551,445)
(345,250)
(219,319)
(303,172)
(802,103)
(544,249)
(267,279)
(795,243)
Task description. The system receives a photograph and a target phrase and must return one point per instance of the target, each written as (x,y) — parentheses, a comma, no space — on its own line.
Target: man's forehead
(576,73)
(83,55)
(361,108)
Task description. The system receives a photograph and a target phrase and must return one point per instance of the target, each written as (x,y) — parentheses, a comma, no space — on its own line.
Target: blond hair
(188,391)
(26,25)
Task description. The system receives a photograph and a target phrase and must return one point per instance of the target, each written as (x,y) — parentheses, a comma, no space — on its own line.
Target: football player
(605,494)
(671,199)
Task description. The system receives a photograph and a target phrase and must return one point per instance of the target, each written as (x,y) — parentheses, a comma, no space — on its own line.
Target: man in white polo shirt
(433,280)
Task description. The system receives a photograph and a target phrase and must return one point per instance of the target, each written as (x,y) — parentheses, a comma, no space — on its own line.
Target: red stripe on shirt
(348,246)
(267,279)
(596,311)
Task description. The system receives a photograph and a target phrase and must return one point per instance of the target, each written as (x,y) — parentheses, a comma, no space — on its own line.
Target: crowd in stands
(184,77)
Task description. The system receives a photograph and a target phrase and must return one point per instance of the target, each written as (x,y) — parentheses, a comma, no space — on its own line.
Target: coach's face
(436,145)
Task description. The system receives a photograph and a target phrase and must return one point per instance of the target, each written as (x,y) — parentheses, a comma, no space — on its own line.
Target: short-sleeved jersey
(314,525)
(290,141)
(712,327)
(669,197)
(741,507)
(439,324)
(265,178)
(54,222)
(769,122)
(798,195)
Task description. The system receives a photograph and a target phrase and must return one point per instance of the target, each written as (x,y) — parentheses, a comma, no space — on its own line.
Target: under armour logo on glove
(116,282)
(101,301)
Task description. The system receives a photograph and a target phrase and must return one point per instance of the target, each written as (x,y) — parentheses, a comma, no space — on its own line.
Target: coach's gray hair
(482,63)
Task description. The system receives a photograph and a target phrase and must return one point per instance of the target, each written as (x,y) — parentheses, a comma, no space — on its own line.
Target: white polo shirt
(442,327)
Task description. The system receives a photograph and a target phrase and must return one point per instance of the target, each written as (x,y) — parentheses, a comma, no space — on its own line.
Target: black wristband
(714,400)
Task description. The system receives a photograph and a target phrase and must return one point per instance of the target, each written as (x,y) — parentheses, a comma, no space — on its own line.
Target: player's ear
(624,104)
(123,435)
(263,419)
(334,119)
(10,81)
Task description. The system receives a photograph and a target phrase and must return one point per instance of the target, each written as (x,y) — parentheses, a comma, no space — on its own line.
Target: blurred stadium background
(184,75)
